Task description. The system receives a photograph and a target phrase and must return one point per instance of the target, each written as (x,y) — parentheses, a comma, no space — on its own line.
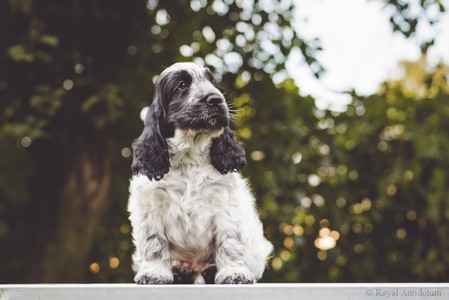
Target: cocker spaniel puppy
(193,216)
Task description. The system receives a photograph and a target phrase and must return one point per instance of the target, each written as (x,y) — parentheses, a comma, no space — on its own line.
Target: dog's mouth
(204,118)
(210,121)
(217,117)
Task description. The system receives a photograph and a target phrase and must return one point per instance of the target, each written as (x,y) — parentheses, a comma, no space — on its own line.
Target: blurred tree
(61,107)
(361,196)
(74,77)
(409,17)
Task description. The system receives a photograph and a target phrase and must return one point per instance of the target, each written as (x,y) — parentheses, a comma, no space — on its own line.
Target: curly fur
(193,215)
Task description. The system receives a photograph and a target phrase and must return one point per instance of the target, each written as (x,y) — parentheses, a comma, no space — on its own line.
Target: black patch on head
(210,77)
(181,77)
(174,86)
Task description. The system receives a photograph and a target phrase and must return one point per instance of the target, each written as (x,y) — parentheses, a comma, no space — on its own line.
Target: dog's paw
(146,279)
(209,274)
(237,279)
(182,275)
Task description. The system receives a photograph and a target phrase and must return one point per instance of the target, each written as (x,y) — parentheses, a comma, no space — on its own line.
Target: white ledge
(343,291)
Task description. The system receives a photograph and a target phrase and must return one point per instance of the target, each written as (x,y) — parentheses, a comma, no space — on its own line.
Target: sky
(360,51)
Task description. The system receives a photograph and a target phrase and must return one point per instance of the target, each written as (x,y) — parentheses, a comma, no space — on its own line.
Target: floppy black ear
(151,156)
(227,153)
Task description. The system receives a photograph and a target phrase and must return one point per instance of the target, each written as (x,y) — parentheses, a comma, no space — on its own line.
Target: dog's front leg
(152,259)
(232,267)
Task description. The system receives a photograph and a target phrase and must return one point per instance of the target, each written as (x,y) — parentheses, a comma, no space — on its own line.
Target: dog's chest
(193,188)
(194,197)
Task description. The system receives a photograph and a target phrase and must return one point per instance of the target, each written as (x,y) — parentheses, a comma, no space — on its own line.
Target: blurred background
(343,110)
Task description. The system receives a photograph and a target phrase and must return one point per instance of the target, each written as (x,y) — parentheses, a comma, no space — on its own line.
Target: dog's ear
(151,155)
(227,153)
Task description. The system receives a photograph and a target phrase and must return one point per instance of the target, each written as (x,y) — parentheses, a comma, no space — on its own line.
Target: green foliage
(105,106)
(367,199)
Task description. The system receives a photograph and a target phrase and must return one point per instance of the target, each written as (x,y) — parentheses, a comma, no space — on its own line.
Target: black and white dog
(192,214)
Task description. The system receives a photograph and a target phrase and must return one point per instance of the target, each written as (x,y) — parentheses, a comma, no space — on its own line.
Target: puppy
(192,214)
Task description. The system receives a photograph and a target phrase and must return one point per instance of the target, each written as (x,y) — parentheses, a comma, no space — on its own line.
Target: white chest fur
(190,197)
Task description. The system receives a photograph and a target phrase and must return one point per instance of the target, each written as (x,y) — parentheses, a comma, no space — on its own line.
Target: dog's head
(186,97)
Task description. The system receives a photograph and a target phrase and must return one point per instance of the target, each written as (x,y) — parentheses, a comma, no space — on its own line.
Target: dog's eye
(182,85)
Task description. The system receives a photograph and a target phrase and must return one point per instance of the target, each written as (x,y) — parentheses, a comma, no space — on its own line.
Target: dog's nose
(214,100)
